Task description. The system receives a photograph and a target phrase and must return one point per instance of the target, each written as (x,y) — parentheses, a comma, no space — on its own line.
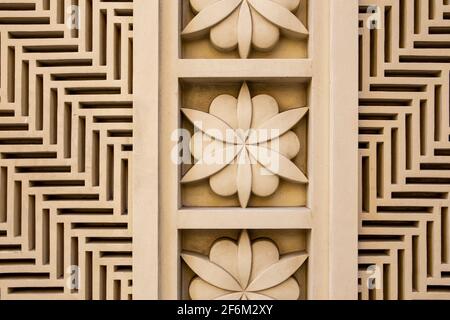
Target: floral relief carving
(244,23)
(244,146)
(244,270)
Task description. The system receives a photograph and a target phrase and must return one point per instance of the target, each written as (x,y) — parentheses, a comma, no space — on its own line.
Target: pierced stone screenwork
(404,241)
(65,149)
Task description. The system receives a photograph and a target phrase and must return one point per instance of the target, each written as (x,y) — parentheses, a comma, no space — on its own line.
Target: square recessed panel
(265,250)
(287,96)
(268,39)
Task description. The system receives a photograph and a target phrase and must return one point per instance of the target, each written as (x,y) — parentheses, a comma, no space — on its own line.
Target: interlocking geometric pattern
(404,239)
(65,149)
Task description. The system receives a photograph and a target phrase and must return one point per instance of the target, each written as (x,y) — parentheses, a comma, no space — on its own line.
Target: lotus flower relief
(244,271)
(244,146)
(244,23)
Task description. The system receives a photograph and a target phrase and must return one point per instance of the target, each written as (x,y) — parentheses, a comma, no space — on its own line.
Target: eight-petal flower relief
(243,23)
(244,270)
(244,146)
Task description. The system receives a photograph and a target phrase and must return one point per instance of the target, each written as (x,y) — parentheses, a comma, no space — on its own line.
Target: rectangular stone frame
(331,214)
(146,161)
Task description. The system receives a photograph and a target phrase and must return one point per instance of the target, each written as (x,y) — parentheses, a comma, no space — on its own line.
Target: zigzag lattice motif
(404,239)
(65,149)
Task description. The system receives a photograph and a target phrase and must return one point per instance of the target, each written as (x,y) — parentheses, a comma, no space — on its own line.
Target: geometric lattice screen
(404,149)
(65,149)
(66,145)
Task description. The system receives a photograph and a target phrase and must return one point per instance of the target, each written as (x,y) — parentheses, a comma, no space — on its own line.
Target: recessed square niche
(273,29)
(265,96)
(264,251)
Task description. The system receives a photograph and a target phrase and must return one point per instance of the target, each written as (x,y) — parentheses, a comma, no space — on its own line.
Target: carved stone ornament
(244,23)
(244,145)
(244,271)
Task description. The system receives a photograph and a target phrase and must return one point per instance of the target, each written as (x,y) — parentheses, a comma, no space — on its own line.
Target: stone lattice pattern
(65,149)
(404,148)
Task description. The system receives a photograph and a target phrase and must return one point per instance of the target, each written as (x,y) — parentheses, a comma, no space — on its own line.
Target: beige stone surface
(252,265)
(253,29)
(404,148)
(285,97)
(66,128)
(203,69)
(91,93)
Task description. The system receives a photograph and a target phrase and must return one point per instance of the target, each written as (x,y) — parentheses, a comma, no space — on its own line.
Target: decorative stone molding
(244,24)
(91,92)
(203,46)
(244,270)
(66,150)
(404,247)
(244,145)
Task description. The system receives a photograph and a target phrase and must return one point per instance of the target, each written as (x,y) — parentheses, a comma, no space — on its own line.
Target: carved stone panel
(244,29)
(244,265)
(207,149)
(245,125)
(404,148)
(66,127)
(248,143)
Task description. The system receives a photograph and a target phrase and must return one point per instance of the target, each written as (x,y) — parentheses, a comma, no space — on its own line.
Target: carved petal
(210,16)
(265,33)
(257,296)
(244,30)
(199,5)
(201,143)
(244,108)
(224,35)
(278,272)
(224,107)
(202,290)
(211,163)
(277,126)
(224,253)
(244,258)
(223,183)
(265,254)
(244,178)
(210,272)
(198,142)
(264,182)
(231,296)
(279,15)
(291,5)
(211,125)
(288,145)
(264,108)
(277,164)
(288,290)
